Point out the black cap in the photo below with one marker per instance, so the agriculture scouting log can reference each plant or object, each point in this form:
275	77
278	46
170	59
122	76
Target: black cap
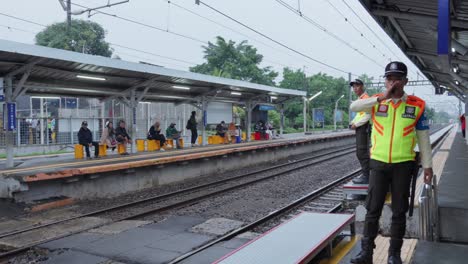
356	81
396	68
84	123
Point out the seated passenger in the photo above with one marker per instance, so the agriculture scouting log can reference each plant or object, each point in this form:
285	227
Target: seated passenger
221	130
122	136
155	134
173	134
269	130
108	136
85	138
261	128
232	129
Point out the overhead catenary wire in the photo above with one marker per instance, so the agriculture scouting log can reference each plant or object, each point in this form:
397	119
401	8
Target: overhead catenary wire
273	40
355	28
322	28
238	32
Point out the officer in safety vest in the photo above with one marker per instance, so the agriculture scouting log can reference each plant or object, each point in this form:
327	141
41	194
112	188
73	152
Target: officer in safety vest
360	123
399	124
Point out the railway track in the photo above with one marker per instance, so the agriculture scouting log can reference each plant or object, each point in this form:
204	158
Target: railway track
194	195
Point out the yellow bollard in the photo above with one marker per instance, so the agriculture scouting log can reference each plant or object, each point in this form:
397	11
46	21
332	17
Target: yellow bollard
181	143
78	151
200	140
153	145
140	145
121	149
102	150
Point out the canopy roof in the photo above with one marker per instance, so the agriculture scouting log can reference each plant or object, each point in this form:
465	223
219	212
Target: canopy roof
60	73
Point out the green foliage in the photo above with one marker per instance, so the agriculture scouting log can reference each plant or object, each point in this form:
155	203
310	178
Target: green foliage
274	118
241	61
83	36
332	88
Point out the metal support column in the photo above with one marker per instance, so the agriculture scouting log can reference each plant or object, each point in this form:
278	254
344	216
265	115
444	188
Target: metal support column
9	136
133	106
248	108
304	114
281	119
203	124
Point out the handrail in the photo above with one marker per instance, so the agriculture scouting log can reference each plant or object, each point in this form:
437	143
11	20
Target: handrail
429	212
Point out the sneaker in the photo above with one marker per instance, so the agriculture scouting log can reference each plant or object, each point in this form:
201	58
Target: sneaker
162	150
125	153
97	157
89	158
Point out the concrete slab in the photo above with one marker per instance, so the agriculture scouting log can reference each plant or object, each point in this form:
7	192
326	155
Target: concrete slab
119	227
248	235
39	235
207	256
74	257
177	224
440	253
217	226
182	242
114	245
73	241
145	255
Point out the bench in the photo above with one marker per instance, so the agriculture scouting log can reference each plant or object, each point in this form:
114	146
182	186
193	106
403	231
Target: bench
79	151
298	240
174	144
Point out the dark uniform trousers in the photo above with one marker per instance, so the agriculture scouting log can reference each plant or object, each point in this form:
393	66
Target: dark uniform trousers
362	147
398	177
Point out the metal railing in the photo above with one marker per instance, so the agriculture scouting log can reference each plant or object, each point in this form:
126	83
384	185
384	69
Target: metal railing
429	212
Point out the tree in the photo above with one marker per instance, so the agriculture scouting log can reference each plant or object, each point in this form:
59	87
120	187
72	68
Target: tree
83	36
241	61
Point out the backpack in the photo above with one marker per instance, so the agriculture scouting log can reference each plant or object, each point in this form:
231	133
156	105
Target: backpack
189	125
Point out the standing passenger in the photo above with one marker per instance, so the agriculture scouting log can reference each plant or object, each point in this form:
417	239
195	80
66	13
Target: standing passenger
360	123
463	124
192	126
398	123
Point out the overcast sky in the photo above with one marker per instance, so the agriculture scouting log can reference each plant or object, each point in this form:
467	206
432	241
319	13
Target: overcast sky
266	16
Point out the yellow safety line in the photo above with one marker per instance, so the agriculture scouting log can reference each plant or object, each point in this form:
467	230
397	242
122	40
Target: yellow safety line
340	251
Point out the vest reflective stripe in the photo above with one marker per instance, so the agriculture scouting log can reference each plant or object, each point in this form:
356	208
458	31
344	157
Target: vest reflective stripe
394	130
360	115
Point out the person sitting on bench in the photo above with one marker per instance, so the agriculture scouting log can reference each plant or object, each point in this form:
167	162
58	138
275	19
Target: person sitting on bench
85	138
122	136
155	134
108	136
173	134
221	130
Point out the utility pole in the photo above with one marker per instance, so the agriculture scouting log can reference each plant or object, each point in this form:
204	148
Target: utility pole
350	98
69	14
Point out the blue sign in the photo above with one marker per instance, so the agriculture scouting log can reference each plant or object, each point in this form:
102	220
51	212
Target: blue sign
266	107
319	115
205	118
443	28
9	116
71	103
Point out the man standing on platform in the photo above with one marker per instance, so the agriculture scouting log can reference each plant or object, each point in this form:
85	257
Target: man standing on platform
398	123
360	123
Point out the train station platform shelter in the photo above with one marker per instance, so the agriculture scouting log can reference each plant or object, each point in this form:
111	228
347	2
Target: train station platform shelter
43	71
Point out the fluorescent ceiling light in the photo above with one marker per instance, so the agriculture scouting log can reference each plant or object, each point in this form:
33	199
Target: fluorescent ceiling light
455	69
235	93
453	50
181	87
274	97
457	82
91	78
144	102
46	97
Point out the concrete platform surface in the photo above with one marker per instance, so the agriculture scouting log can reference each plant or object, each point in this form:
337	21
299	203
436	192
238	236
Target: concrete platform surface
440	253
453	197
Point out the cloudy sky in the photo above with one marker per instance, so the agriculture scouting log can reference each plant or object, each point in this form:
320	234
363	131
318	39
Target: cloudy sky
346	46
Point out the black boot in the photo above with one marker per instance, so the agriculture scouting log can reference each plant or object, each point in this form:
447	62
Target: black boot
367	250
394	251
363	179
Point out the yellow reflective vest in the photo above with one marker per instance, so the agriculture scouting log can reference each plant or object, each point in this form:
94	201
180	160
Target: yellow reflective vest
394	129
360	115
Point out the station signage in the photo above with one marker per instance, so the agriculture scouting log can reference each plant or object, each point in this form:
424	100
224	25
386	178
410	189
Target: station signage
9	116
266	107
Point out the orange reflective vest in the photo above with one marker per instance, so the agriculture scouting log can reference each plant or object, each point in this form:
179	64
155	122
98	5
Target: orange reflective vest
394	129
360	115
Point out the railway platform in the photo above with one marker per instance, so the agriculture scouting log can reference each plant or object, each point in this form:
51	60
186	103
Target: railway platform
62	176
